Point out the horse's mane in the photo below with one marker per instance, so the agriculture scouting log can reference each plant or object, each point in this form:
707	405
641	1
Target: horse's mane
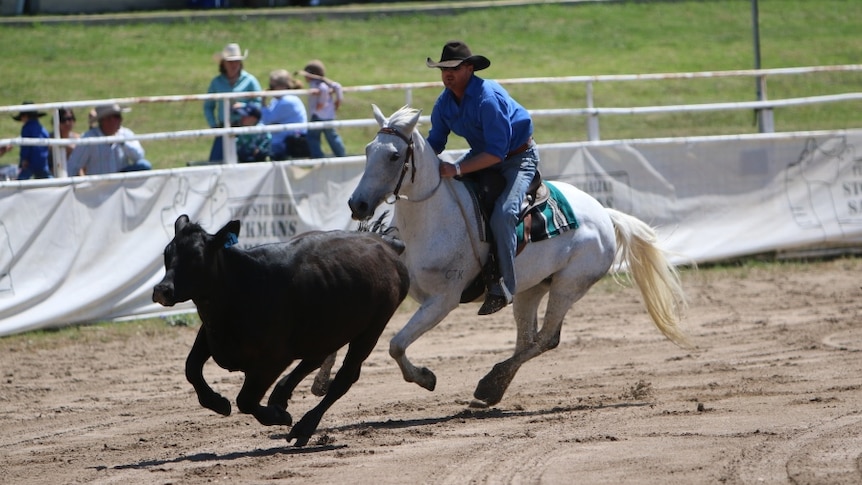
400	120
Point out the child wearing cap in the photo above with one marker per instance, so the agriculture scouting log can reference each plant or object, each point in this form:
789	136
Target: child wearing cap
33	160
251	147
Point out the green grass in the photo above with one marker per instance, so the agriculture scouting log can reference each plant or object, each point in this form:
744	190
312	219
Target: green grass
78	62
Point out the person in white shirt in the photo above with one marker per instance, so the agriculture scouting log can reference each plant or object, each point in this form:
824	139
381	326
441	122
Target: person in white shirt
124	156
323	103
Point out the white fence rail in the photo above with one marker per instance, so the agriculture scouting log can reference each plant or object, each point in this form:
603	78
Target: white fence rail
763	107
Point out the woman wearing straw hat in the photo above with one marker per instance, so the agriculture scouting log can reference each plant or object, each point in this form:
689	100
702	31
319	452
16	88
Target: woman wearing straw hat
232	78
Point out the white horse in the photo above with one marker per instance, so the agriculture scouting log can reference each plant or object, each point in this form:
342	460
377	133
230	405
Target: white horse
444	254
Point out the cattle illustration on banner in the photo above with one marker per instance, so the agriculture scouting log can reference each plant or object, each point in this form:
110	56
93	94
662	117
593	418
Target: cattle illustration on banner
824	186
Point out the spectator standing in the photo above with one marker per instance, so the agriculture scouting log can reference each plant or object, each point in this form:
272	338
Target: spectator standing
232	78
283	110
66	118
252	147
124	156
323	104
32	160
500	134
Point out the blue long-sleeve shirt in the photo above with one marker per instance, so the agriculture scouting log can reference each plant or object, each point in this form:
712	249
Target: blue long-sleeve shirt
213	109
36	156
487	117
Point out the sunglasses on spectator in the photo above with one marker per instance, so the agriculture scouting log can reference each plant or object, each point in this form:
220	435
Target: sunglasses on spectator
63	120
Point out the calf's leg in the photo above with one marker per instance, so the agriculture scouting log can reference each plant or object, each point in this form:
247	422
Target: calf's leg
358	350
285	386
257	381
198	356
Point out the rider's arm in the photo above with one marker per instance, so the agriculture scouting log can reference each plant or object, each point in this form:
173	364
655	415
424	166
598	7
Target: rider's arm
472	164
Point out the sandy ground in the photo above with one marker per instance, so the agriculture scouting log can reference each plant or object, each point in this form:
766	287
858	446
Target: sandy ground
771	396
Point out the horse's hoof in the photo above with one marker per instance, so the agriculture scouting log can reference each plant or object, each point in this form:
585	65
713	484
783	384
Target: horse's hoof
320	389
427	379
489	391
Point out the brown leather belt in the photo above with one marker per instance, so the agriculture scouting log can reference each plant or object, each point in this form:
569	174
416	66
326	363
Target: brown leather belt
521	149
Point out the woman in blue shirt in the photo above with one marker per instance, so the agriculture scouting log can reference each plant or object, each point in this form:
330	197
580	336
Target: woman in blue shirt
232	78
500	134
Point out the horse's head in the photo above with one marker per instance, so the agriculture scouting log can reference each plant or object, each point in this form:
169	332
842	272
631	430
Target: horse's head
389	158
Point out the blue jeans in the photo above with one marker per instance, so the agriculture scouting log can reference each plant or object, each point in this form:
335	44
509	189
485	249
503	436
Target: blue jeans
137	166
332	137
518	170
217	150
28	173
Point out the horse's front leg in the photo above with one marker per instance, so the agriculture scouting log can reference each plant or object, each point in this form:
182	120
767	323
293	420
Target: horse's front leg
322	380
432	312
198	356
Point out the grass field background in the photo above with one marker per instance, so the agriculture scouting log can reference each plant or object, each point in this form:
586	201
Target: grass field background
58	62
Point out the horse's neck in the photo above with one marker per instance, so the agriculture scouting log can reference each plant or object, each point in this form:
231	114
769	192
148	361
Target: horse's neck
427	167
434	206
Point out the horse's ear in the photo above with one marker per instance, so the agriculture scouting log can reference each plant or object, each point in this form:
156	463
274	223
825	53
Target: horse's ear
378	115
415	119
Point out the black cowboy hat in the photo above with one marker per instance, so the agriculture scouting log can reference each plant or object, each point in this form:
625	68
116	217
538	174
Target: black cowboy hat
27	113
454	53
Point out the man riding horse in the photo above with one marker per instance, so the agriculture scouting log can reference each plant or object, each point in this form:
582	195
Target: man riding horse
500	134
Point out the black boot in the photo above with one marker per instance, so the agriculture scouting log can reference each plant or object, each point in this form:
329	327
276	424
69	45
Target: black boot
493	304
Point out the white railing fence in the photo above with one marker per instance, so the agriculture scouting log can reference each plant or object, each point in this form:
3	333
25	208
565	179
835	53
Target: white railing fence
592	113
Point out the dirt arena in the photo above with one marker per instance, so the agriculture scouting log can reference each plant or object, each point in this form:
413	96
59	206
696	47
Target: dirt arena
771	396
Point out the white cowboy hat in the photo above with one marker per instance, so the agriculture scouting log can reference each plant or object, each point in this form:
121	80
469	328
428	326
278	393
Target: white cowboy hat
110	109
231	52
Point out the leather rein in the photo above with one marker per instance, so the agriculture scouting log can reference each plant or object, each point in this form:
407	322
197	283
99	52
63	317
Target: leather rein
409	164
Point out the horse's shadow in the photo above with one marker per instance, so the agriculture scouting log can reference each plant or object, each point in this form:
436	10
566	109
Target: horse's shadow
464	415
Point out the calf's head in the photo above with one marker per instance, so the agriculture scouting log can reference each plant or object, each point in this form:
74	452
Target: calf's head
190	261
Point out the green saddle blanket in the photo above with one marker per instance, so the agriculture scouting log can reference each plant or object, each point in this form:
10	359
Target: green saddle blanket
550	218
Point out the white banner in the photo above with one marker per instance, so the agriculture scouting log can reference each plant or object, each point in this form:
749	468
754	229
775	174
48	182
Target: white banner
90	248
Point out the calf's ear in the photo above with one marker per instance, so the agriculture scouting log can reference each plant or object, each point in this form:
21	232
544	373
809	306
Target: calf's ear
227	236
181	222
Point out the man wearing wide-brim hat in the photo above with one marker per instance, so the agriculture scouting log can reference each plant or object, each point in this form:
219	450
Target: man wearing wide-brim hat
32	160
500	134
123	156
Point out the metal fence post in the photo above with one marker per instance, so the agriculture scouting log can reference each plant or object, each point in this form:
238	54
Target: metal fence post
228	140
765	121
593	117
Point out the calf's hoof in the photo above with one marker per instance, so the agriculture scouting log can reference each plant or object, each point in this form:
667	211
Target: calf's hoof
216	403
273	416
301	439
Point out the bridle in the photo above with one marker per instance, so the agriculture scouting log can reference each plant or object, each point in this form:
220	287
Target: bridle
410	161
409	164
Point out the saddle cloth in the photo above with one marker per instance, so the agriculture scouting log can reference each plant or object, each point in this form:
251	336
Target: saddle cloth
543	221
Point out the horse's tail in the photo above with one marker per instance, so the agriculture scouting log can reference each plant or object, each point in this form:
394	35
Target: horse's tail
656	278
